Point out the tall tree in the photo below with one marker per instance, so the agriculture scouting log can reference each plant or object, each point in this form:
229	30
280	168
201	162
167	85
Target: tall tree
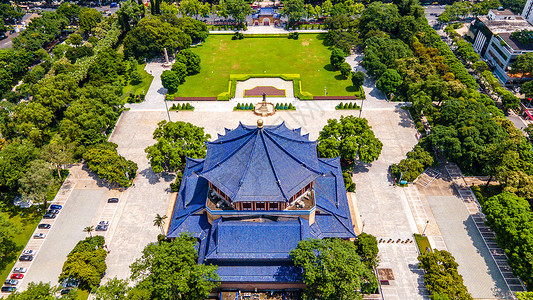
159	221
89	230
37	181
324	262
441	275
294	10
8	247
351	139
180	277
113	289
175	141
89	18
524	64
238	9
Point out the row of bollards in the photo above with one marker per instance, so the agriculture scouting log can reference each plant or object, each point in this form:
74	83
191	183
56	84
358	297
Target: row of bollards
398	241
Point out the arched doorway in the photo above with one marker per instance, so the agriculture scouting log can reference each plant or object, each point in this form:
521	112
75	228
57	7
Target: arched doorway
256	23
266	22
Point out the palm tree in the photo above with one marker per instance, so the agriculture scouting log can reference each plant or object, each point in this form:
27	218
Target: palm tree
159	221
89	230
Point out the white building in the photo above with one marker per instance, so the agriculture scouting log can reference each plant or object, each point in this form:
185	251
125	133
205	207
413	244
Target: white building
492	40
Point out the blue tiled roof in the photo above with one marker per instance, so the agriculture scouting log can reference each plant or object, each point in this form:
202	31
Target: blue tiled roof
259	271
255	240
271	163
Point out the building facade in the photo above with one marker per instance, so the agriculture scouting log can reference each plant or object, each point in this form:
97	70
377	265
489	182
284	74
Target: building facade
259	191
492	40
266	16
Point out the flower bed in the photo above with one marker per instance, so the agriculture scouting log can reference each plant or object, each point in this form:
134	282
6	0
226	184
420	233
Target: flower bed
267	90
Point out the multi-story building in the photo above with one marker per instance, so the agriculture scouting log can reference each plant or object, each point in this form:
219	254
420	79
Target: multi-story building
527	13
259	191
492	40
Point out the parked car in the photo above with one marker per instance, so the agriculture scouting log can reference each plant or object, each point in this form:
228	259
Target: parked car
71	283
29	252
112	200
11	282
8	289
101	228
20	270
26	258
17	276
56	206
104	223
44	226
48	215
113	4
65	291
39	236
53	211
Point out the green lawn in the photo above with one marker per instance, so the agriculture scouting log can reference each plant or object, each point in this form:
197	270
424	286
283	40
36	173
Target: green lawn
306	56
422	242
25	220
141	87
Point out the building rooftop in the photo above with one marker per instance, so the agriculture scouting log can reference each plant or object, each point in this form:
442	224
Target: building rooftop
503	26
274	163
516	45
504	12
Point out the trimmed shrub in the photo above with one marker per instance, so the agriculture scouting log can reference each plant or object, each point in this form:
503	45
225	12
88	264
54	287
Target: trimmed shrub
350	106
238	106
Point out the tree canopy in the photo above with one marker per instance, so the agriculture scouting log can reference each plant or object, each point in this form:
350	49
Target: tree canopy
325	262
351	138
175	141
170	270
442	277
511	219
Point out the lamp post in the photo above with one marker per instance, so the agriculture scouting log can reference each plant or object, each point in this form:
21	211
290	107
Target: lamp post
424	232
325	91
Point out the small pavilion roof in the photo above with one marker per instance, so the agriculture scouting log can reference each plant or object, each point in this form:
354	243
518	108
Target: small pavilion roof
271	163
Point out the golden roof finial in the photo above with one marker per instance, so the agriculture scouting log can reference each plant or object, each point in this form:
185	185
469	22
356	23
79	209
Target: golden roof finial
259	123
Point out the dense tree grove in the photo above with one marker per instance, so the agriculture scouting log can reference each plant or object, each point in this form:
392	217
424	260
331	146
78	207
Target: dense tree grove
154	33
86	262
511	218
351	138
441	277
411	167
325	261
174	142
170	270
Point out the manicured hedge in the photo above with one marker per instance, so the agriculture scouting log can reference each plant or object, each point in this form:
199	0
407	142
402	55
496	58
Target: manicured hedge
233	78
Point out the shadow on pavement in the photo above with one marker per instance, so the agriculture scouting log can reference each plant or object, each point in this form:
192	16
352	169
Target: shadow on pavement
481	248
154	178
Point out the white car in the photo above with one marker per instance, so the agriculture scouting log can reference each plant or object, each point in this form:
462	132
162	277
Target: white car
104	223
29	252
19	270
39	236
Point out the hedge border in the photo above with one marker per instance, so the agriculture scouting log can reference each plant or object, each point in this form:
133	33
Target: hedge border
295	78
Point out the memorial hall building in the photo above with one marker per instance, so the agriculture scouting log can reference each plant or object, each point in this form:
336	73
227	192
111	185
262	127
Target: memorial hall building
259	191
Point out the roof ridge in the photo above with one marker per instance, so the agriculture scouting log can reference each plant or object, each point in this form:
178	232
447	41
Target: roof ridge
292	156
248	163
272	165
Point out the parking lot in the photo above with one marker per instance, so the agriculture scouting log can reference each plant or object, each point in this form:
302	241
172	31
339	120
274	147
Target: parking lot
84	203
